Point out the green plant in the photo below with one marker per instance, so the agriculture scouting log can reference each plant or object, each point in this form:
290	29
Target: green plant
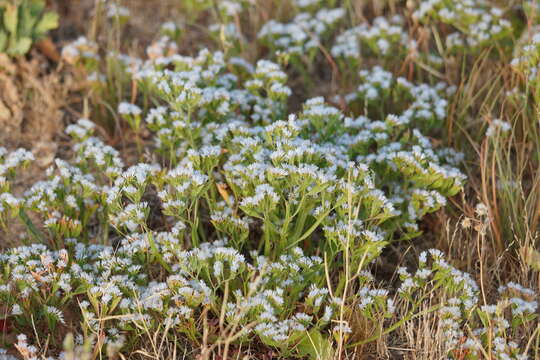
22	22
253	221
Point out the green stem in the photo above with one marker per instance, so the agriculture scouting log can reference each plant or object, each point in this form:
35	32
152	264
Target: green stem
267	237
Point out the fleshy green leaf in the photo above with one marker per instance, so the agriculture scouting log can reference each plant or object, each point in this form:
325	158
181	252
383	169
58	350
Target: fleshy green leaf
27	21
315	345
48	22
3	41
11	18
21	46
36	7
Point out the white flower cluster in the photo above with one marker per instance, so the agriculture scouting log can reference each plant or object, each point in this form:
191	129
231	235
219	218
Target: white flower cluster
273	174
227	31
465	323
232	7
303	34
109	277
83	129
478	22
125	108
498	126
302	4
10	161
385	37
527	57
211	226
426	104
163	47
114	10
80	49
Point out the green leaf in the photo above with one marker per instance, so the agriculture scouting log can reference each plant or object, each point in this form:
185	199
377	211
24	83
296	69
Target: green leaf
20	46
3	41
36	7
48	22
531	257
11	18
30	225
316	346
27	21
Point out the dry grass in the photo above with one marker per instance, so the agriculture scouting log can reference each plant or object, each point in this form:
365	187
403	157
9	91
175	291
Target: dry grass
33	99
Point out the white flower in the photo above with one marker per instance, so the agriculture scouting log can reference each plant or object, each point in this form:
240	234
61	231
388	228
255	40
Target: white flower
498	126
125	108
481	209
16	310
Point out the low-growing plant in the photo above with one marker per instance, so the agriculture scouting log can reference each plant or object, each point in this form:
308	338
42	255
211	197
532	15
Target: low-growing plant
22	23
249	220
478	24
241	203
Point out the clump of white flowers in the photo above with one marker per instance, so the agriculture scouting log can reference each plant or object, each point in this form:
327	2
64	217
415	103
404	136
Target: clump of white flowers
304	34
526	59
10	162
79	50
470	327
236	171
478	23
384	37
498	126
115	10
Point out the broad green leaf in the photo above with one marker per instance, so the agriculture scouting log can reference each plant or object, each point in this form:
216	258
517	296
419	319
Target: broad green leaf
20	46
316	346
48	22
3	41
11	18
27	21
36	7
